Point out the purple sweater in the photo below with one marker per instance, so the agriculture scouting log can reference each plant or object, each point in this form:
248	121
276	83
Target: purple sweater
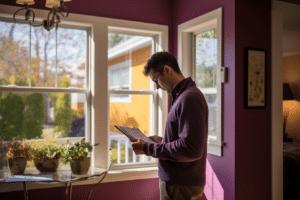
182	153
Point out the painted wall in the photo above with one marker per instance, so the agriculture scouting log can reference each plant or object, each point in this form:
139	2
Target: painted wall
252	126
244	172
223	168
123	190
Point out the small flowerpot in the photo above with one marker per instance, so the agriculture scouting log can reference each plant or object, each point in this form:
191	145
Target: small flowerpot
17	165
80	166
47	165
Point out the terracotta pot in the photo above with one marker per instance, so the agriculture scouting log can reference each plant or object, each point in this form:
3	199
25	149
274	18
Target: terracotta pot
17	165
47	165
80	166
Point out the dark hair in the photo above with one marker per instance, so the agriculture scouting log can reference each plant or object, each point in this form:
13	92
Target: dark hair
158	61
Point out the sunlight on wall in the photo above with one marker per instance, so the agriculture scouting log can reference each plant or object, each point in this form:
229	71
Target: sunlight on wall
213	189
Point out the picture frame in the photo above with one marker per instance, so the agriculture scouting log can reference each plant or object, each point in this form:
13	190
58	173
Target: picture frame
255	78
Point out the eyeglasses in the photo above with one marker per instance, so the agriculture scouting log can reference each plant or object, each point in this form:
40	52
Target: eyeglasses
155	81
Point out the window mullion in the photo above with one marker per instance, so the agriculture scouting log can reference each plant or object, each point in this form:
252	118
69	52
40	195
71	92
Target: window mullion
146	92
55	58
30	57
41	89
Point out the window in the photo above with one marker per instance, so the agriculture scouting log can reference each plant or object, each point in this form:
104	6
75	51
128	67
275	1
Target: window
94	88
205	73
132	95
201	40
43	85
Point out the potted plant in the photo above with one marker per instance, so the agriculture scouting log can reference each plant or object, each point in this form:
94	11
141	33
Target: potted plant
46	154
77	155
18	152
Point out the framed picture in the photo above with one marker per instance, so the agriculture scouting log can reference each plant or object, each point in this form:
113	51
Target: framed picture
255	78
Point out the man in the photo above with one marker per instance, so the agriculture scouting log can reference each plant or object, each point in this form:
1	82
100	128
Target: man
181	152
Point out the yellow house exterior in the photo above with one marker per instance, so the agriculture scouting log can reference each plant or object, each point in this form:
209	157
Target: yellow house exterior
136	113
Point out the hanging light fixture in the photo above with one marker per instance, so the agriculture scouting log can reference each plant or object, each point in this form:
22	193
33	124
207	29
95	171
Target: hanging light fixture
53	18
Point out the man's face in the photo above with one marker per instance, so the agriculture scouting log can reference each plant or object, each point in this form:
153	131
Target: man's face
161	81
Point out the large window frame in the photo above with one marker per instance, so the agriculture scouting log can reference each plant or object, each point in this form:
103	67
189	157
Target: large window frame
186	32
97	122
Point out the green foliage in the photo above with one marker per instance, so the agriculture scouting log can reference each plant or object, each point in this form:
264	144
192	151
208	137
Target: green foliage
212	130
77	151
114	39
63	115
208	34
78	114
16	149
48	148
11	109
206	76
114	154
33	116
22	113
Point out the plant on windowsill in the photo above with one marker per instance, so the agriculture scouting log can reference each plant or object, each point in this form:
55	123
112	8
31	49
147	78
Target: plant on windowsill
47	154
18	152
77	155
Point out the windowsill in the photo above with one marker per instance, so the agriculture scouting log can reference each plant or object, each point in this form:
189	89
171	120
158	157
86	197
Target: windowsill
112	176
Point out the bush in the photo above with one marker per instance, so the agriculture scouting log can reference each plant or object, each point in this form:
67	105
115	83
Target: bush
11	109
34	114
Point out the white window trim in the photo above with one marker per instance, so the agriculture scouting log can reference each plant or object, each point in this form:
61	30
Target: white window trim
98	81
186	31
119	66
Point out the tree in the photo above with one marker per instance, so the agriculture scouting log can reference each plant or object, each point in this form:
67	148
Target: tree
206	59
205	76
114	39
13	60
44	62
11	109
63	114
33	116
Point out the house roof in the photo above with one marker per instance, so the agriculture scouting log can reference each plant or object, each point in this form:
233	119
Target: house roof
133	44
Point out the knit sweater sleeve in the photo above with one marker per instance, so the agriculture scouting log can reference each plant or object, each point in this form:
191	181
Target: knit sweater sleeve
185	141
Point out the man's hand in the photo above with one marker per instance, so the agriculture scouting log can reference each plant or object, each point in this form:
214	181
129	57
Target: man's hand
156	139
138	147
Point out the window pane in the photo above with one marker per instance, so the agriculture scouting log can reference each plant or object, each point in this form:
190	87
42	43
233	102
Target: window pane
71	55
205	72
14	53
53	54
135	114
42	115
127	56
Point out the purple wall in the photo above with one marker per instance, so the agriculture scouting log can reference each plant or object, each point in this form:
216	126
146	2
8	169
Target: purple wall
244	171
124	190
223	167
253	127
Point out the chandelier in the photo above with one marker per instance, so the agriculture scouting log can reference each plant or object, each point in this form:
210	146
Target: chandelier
53	18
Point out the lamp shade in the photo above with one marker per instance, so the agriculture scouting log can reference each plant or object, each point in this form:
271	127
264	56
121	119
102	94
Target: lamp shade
52	3
287	92
29	2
